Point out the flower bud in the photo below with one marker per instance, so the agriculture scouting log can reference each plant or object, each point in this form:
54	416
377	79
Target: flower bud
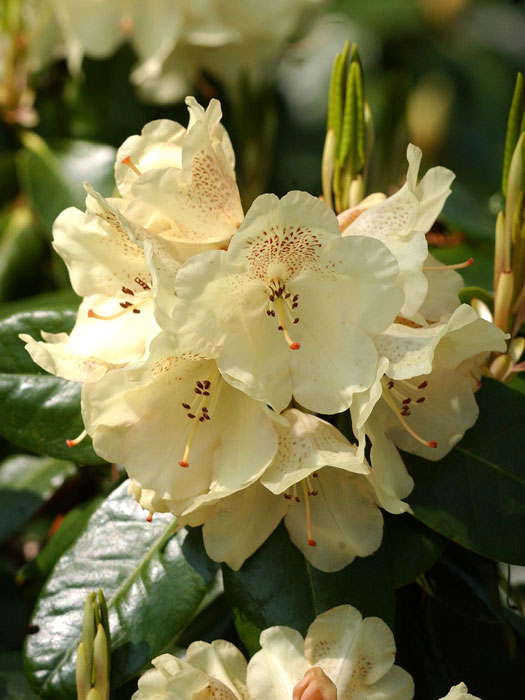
315	685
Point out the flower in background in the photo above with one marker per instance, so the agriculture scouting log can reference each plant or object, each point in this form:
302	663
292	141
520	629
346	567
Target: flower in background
343	655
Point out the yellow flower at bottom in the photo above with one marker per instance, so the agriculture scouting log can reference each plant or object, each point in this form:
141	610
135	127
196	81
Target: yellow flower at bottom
341	656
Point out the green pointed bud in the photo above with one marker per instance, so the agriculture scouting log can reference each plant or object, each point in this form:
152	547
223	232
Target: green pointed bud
503	300
515	188
83	673
515	127
94	695
101	663
351	147
337	91
88	631
516	349
501	367
327	167
103	613
500	249
345	159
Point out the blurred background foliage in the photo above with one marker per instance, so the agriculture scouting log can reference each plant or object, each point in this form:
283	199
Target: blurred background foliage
439	73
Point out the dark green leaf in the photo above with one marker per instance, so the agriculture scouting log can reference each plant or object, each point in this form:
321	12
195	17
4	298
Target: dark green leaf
52	177
464	211
39	412
152	591
277	586
62	300
25	484
476	494
8	177
13	683
21	252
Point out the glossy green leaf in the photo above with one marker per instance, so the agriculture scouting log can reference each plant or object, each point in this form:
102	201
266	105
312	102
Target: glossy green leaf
38	411
21	253
52	176
13	682
277	586
26	483
154	582
69	530
476	494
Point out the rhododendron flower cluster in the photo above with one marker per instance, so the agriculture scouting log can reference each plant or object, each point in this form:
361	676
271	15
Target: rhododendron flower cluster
216	347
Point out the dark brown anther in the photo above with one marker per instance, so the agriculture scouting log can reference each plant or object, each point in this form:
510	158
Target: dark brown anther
423	385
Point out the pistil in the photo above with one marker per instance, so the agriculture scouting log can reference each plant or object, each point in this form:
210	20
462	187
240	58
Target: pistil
131	165
311	540
278	296
77	440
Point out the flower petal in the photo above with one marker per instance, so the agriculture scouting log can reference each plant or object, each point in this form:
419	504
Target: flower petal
100	257
223	661
345	521
241	523
278	666
308	444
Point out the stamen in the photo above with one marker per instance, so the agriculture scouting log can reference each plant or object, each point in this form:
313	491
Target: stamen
130	307
200	410
77	440
310	540
184	461
401	417
149	517
282	324
457	266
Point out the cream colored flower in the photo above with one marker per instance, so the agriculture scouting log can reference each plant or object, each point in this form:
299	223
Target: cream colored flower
291	305
423	397
179	183
177	426
401	222
120	252
343	655
315	482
